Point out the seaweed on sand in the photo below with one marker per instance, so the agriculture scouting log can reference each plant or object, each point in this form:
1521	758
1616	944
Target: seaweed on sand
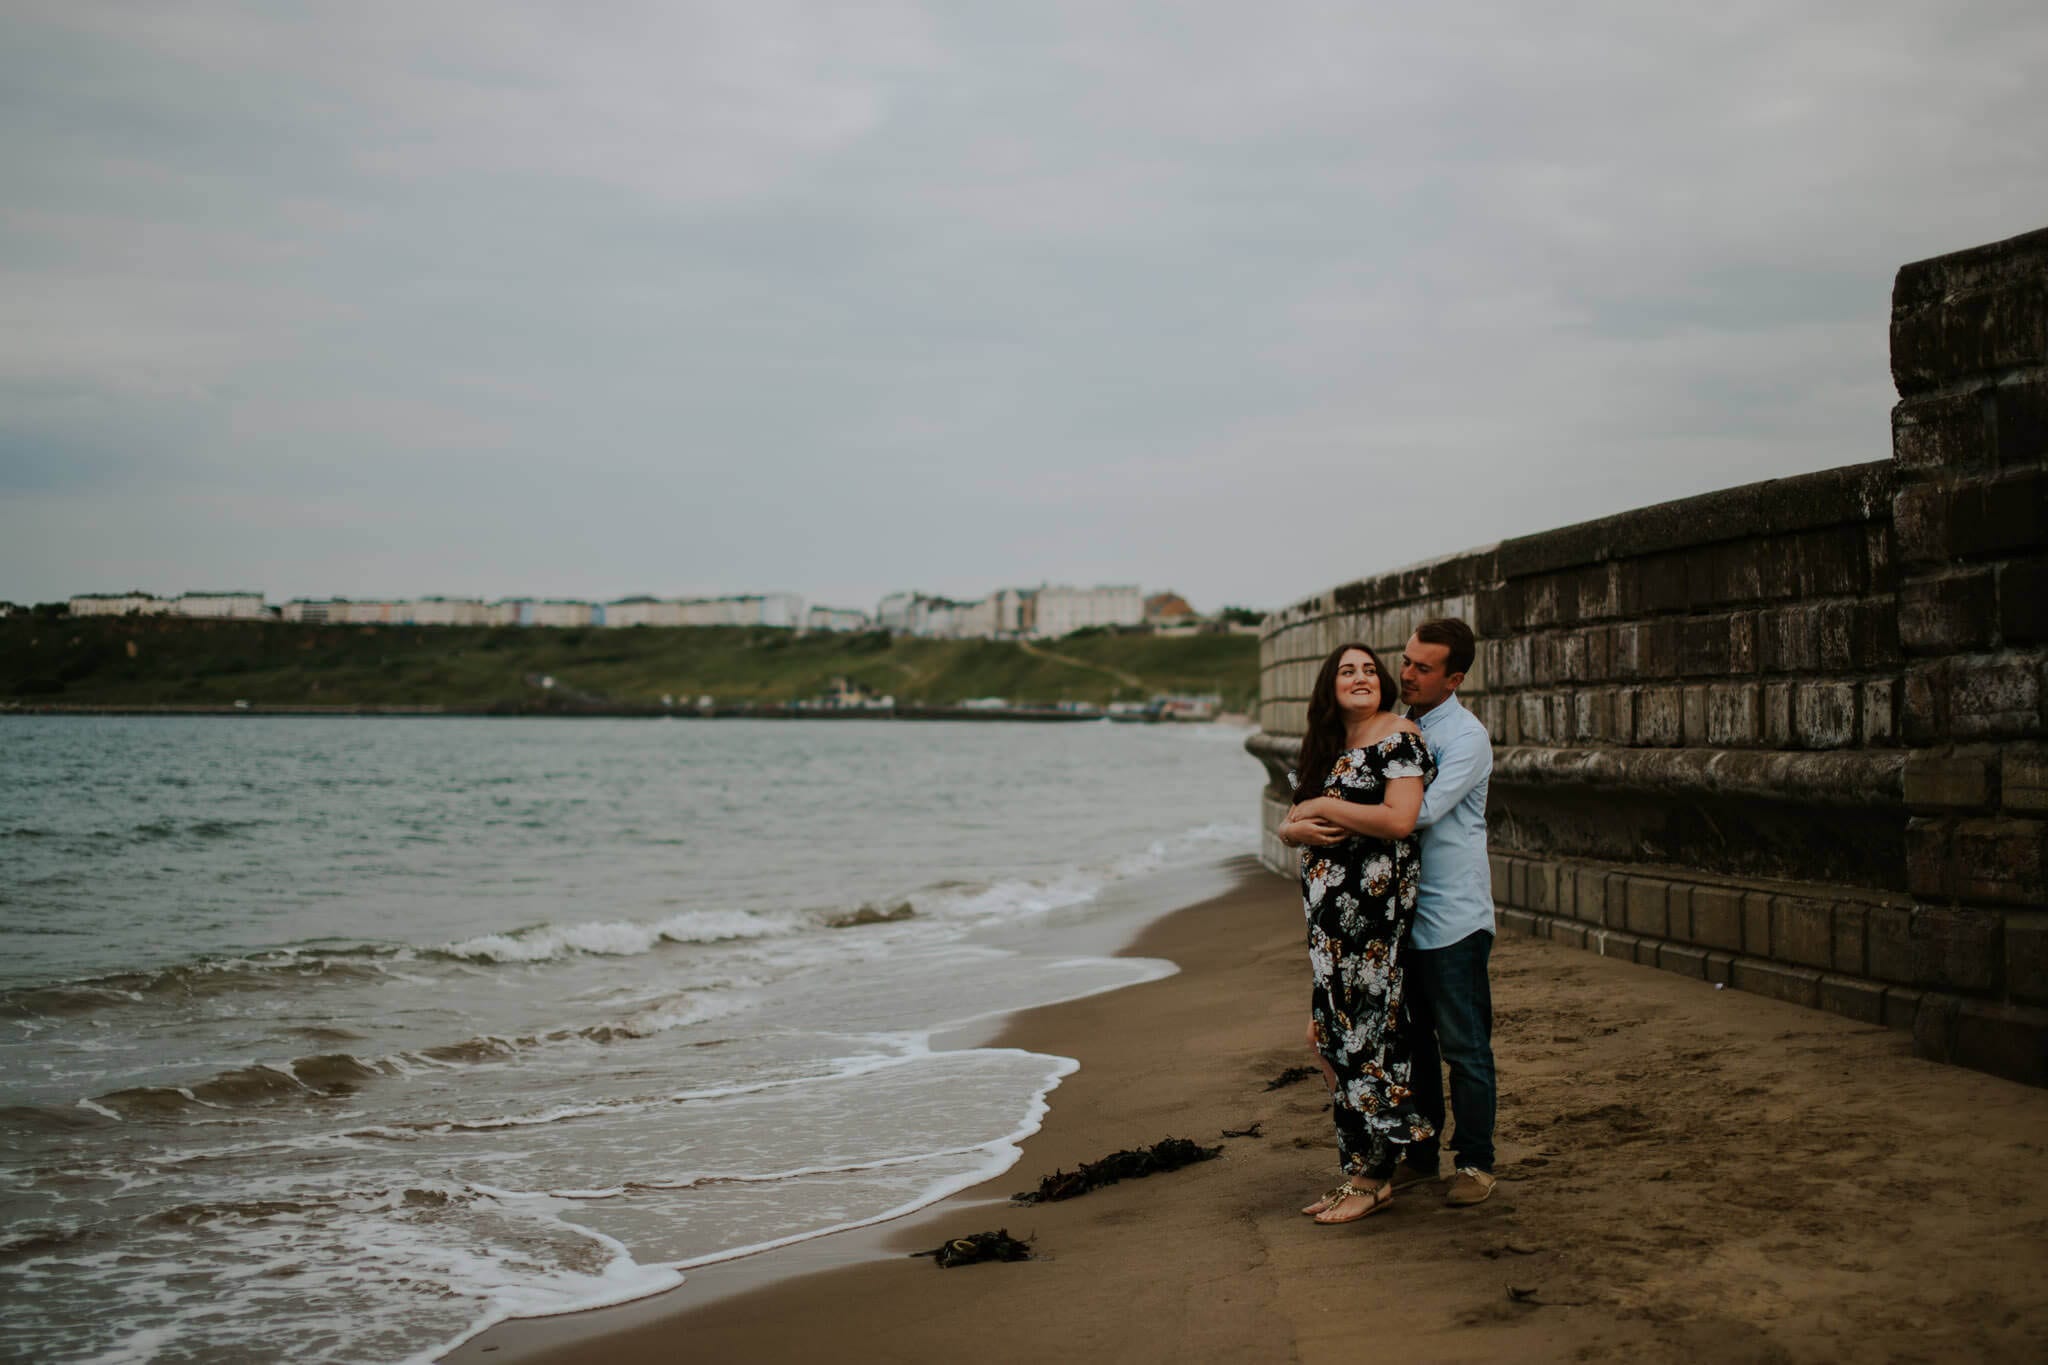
982	1246
1168	1154
1290	1076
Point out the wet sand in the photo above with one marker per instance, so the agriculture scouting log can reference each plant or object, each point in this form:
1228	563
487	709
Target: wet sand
1685	1174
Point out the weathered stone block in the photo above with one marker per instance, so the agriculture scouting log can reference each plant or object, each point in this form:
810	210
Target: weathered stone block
1901	1004
1567	889
1888	943
2002	516
1834	630
1860	1000
1703	646
1542	660
1625	715
1743	652
1930	859
1514	662
1661	582
1610	943
1659	649
1777	716
1598	591
2026	956
2005	1040
1735	573
1947	432
1647	913
1571	657
1693	716
1592	711
1850	938
1720	967
1717	917
1802	931
1539	891
1920	524
1956	949
1590	894
1518	882
1734	715
2020	422
1824	715
1993	698
1958	611
1498	865
1756	923
1794	985
1540	600
2023	602
1559	705
1880	712
2024	788
1937	780
1676	957
2003	860
1626	651
1789	640
1969	313
1678	911
1494	613
1660	716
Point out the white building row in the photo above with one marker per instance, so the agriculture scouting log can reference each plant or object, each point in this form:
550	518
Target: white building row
784	610
1044	612
244	606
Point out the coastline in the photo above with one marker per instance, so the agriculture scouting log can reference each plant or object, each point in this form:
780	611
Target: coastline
1685	1172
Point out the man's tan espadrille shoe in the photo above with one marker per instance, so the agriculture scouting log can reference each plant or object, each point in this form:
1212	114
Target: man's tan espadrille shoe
1469	1186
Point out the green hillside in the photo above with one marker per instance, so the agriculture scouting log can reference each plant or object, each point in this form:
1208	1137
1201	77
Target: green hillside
135	661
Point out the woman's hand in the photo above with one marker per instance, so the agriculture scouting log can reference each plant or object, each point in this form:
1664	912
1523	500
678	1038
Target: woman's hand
1313	831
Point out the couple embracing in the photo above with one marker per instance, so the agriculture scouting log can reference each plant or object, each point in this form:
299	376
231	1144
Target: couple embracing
1390	818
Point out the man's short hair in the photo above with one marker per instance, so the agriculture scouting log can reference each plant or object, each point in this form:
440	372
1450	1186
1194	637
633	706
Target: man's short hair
1453	633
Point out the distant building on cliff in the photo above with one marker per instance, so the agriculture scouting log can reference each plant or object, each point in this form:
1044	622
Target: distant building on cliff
1062	611
836	620
120	604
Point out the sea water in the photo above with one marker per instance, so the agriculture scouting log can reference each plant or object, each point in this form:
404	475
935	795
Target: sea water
340	1039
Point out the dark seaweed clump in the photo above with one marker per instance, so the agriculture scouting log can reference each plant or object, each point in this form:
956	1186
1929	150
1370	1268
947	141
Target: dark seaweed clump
982	1246
1169	1154
1290	1076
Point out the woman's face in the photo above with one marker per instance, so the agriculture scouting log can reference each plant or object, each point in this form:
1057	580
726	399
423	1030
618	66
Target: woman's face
1358	684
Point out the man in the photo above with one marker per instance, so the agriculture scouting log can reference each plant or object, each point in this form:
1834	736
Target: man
1450	1001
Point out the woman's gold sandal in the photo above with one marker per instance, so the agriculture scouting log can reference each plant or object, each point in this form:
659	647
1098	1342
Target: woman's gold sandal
1328	1199
1381	1195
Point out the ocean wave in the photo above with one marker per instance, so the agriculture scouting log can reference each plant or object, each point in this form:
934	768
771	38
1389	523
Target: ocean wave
614	938
1019	897
204	978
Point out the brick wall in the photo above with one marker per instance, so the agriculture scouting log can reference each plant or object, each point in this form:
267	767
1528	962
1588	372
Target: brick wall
1787	737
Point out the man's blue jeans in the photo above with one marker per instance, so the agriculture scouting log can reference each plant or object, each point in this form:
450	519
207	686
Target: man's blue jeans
1450	1011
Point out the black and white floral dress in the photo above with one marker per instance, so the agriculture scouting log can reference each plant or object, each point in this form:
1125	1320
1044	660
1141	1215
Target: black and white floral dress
1359	897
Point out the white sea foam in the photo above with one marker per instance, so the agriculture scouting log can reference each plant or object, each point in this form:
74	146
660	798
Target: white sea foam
616	938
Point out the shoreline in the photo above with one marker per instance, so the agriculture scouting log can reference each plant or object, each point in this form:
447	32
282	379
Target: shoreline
1685	1172
1010	714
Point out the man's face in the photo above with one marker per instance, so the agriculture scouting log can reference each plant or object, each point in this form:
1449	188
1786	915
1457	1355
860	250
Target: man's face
1424	678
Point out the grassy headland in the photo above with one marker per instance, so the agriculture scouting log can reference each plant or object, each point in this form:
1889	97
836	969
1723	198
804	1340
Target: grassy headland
164	661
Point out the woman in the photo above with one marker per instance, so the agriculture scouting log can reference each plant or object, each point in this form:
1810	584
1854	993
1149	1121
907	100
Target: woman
1360	776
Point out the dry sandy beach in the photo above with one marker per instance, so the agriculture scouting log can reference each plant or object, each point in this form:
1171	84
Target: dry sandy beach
1686	1174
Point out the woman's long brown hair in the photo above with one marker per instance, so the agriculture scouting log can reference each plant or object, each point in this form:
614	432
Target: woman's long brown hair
1323	741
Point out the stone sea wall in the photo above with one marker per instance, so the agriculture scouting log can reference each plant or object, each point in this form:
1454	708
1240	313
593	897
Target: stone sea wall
1787	737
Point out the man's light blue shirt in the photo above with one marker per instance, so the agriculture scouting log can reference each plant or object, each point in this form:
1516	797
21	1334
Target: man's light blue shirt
1456	899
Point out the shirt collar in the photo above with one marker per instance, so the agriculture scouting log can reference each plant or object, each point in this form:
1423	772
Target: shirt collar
1436	713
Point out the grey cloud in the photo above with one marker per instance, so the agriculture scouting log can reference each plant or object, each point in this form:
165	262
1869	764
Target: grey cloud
698	298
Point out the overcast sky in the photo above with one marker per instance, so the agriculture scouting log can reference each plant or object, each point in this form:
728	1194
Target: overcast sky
1243	300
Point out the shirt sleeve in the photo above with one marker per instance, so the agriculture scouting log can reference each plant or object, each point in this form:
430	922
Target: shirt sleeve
1463	763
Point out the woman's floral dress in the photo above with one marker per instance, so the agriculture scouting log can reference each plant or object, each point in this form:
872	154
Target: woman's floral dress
1359	897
